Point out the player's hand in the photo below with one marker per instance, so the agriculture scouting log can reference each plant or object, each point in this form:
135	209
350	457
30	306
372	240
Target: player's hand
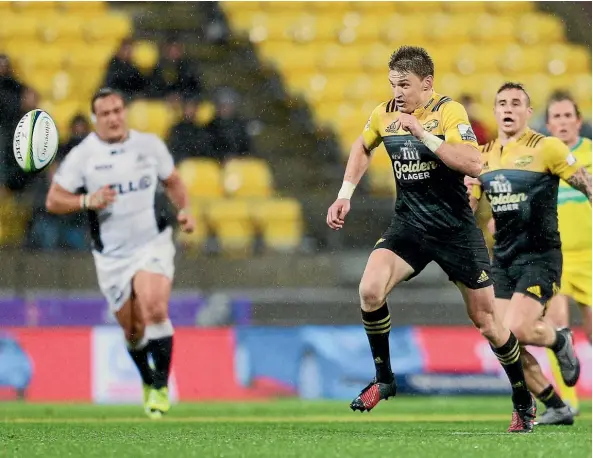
336	214
102	198
410	123
469	184
186	222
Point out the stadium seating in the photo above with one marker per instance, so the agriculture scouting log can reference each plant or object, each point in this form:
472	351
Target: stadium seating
280	223
230	221
203	178
335	54
247	178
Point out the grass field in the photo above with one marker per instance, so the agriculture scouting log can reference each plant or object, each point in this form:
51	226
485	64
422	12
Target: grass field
435	427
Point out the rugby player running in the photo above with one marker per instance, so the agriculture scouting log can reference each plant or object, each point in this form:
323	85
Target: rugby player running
432	146
520	177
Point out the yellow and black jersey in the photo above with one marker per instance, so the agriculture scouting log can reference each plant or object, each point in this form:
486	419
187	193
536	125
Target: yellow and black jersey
521	182
430	196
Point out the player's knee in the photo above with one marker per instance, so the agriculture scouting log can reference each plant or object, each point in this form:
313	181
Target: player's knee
372	295
523	334
484	321
157	312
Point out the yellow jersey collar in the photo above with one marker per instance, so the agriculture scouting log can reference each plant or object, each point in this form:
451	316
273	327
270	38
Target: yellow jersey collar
420	110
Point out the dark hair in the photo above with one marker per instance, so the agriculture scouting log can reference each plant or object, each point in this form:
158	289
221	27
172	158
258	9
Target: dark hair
412	59
561	96
79	118
105	92
511	85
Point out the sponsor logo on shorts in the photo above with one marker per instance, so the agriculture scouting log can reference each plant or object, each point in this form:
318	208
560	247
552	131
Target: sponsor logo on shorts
483	277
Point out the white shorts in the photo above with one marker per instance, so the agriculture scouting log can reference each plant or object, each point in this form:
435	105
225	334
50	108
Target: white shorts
115	274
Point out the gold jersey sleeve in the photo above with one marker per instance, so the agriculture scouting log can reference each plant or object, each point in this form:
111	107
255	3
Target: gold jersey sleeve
456	125
559	160
371	134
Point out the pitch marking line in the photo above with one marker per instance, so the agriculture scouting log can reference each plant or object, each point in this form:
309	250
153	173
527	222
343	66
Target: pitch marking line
284	419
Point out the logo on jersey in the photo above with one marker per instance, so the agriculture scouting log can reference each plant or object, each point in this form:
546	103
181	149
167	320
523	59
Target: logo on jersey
368	125
103	167
431	125
524	161
132	186
501	195
467	133
392	128
570	159
415	169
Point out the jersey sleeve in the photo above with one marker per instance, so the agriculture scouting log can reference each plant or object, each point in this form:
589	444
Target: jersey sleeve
70	173
456	125
559	160
371	135
164	160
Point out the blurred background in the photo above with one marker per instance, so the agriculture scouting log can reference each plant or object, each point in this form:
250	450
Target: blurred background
259	103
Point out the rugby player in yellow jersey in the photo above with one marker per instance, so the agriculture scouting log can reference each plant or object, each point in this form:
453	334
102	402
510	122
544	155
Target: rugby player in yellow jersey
574	222
520	177
432	146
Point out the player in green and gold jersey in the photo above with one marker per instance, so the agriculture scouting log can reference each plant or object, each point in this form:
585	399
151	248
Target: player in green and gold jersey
574	222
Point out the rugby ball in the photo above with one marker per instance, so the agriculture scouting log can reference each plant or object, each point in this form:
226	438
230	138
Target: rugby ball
35	142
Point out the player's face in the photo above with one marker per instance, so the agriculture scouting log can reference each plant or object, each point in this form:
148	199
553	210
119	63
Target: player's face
408	90
563	122
512	111
111	123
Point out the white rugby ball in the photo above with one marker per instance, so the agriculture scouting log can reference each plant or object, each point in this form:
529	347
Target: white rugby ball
35	142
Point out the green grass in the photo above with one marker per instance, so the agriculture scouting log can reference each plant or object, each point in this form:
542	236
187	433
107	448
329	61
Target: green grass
410	427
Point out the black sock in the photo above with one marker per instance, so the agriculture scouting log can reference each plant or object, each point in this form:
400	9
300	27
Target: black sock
509	356
140	358
377	325
161	350
550	398
560	341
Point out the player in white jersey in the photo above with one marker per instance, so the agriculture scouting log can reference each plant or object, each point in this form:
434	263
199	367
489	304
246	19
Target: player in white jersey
113	174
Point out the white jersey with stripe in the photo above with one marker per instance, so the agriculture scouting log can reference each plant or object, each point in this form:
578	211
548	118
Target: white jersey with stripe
133	168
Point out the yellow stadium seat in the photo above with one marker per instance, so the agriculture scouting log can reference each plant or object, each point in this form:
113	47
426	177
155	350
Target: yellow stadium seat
381	178
62	29
34	8
150	116
230	221
325	28
33	59
411	29
110	28
280	223
289	57
274	27
493	30
509	8
195	241
337	58
535	28
475	59
85	8
247	177
51	85
145	55
282	7
62	113
465	7
86	60
202	178
561	58
581	88
446	28
331	8
16	29
411	7
539	88
518	61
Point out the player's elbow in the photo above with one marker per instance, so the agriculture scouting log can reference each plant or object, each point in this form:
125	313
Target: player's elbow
50	204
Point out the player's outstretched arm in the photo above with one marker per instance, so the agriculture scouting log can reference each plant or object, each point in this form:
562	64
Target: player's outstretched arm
61	201
581	181
358	163
177	193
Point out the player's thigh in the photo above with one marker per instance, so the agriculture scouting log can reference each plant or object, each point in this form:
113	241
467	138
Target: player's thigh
464	258
151	294
557	311
397	256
